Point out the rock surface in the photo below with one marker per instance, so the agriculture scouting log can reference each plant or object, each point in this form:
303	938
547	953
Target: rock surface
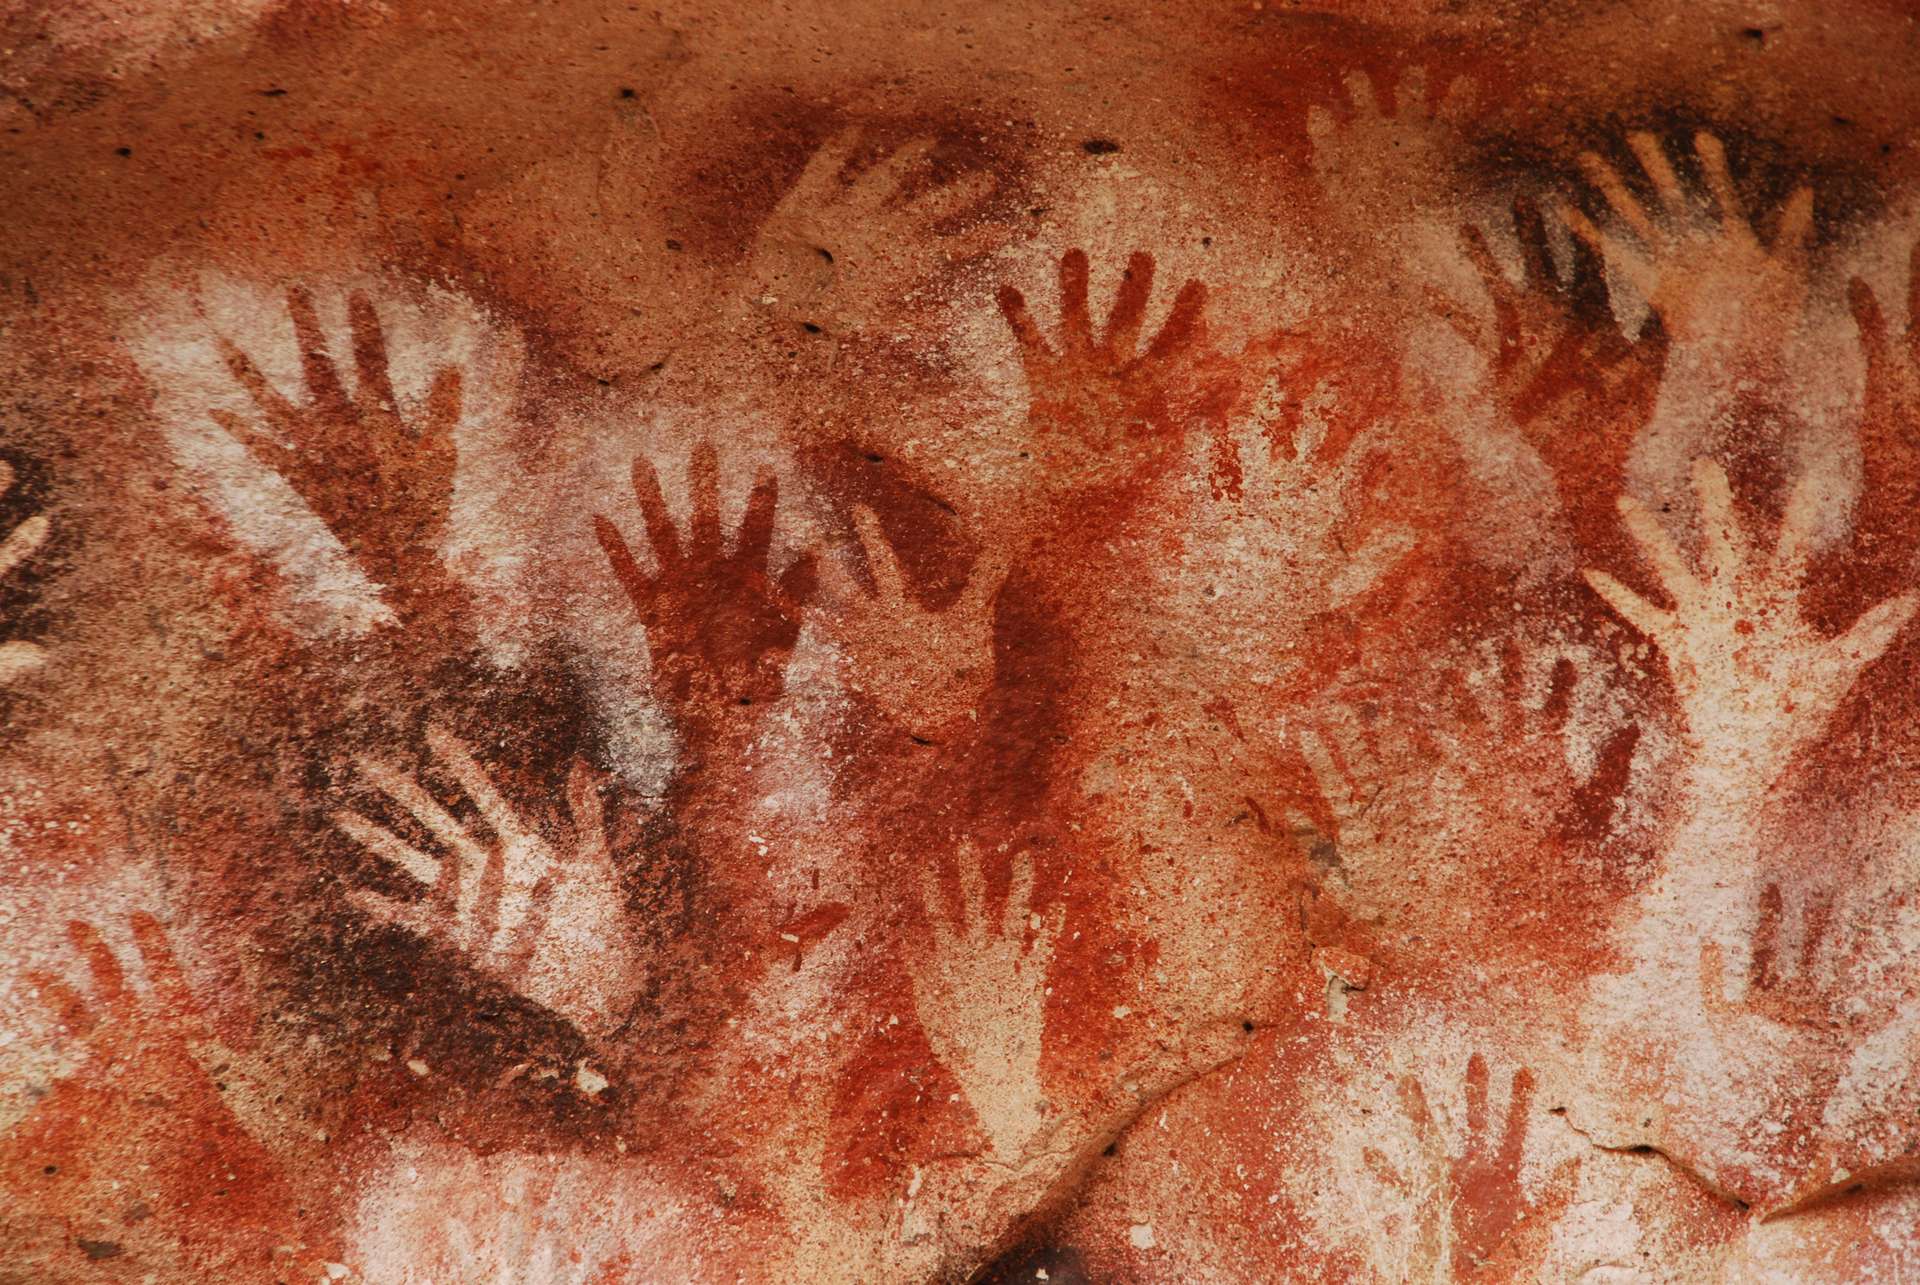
874	642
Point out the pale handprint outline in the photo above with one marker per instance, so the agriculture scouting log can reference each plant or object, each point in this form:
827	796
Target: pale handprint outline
1755	682
114	998
925	669
544	917
1467	1204
117	1017
1354	158
1304	487
1544	704
1688	264
978	968
157	1049
18	657
1352	782
1783	978
436	1210
1560	368
842	241
1884	521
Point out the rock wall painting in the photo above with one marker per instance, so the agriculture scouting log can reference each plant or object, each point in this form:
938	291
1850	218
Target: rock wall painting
854	642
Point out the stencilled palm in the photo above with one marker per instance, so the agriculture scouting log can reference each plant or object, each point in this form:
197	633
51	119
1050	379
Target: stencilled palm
164	1030
1305	490
1703	274
1095	393
16	656
1755	681
1352	784
436	1211
1379	159
981	993
719	626
379	475
1561	371
1466	1206
157	1069
926	670
1531	703
544	916
839	249
1783	977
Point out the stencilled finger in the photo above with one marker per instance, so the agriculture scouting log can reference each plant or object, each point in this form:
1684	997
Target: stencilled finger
384	844
1458	103
1014	915
1719	181
1130	305
1657	623
396	912
1513	1140
1669	565
1076	321
322	377
1476	1093
821	178
1185	328
889	582
1794	237
1724	543
443	403
1026	334
455	754
1382	1169
278	409
1659	170
103	967
1619	197
703	489
1333	784
973	893
986	577
18	659
1874	632
166	978
1361	94
755	538
1798	526
370	354
261	443
23	542
67	1007
661	532
1410	95
425	809
587	810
